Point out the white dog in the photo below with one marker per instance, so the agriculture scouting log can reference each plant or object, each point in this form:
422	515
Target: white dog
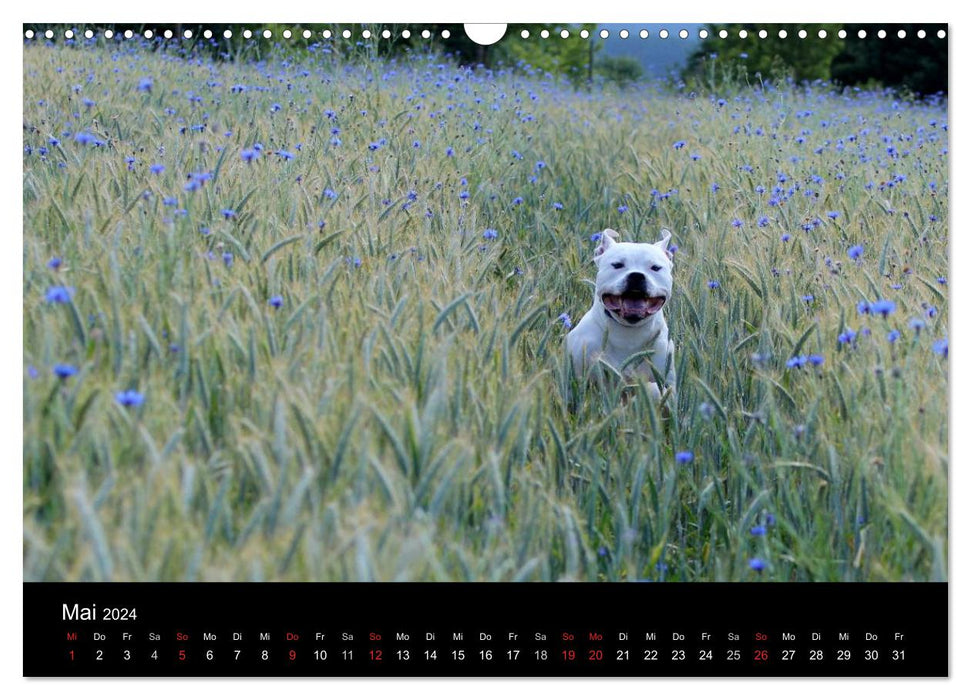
633	284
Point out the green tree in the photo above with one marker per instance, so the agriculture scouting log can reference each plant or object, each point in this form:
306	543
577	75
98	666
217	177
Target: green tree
571	57
733	58
620	70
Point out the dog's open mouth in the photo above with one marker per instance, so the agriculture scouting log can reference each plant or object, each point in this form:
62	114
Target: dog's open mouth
633	306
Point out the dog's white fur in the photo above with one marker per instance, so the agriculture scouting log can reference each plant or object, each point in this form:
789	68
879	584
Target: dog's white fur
609	334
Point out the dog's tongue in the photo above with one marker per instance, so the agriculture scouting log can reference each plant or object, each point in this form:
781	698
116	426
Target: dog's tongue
632	305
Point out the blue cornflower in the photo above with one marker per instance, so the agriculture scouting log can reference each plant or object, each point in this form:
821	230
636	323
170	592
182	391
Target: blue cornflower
855	252
797	361
893	336
833	215
249	155
816	360
564	318
808	298
863	307
54	263
32	372
65	371
156	168
713	284
489	233
756	564
763	221
769	519
622	208
594	237
940	347
737	223
84	138
228	259
758	530
286	155
678	145
942	280
449	151
59	295
540	165
785	237
228	214
517	201
145	85
129	398
276	301
917	324
464	194
883	306
847	336
416	144
715	187
557	205
684	457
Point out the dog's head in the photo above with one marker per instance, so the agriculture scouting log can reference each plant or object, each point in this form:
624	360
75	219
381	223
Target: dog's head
633	279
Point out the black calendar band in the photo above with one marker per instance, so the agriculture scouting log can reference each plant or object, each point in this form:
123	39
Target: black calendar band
478	629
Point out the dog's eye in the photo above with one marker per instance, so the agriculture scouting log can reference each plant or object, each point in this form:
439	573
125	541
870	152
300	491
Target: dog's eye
617	265
656	268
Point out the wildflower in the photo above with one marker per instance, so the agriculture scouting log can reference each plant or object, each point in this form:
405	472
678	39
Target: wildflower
808	298
706	410
594	237
156	168
756	564
763	221
276	301
893	336
145	85
769	519
564	318
713	284
286	155
65	371
917	324
847	336
129	398
816	360
228	259
758	530
557	205
737	223
796	361
84	138
602	552
517	201
940	347
863	307
883	306
449	152
855	252
489	233
249	155
833	215
32	372
54	263
678	145
622	208
59	295
228	214
785	237
942	280
684	457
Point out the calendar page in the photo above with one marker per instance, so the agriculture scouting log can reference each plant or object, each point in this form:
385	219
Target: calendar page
485	350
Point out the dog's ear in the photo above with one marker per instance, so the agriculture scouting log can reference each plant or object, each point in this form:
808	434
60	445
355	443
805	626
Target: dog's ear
607	238
663	243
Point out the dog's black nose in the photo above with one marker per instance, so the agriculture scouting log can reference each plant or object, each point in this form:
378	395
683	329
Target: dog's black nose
636	282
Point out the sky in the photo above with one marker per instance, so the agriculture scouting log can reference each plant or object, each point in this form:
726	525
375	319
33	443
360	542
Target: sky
659	57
